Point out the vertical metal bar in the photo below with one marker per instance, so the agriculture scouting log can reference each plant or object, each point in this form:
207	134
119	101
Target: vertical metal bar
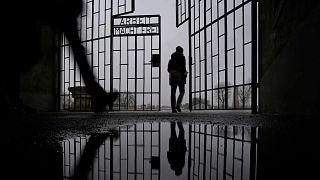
226	54
151	147
189	149
135	72
194	52
218	141
151	74
190	55
111	158
159	19
64	77
105	161
199	150
211	148
143	150
211	58
127	152
92	41
159	151
144	73
111	49
253	153
233	150
243	56
194	147
199	41
242	151
120	153
120	68
69	157
69	80
259	74
204	151
105	45
177	13
225	152
133	4
205	55
234	58
118	6
135	152
254	56
218	44
128	72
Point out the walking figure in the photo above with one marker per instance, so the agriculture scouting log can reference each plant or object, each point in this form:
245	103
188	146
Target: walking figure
177	78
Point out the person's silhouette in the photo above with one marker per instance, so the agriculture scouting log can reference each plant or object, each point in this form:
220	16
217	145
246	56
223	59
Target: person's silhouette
177	148
177	77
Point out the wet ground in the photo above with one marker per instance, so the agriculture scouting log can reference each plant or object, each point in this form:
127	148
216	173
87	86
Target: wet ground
158	145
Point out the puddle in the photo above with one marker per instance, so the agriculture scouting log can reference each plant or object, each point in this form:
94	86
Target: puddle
163	151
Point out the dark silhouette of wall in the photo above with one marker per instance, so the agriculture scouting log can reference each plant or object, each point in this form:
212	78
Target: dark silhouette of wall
39	82
290	57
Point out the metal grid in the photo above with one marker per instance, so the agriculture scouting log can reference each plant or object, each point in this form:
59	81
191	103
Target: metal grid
135	42
181	12
222	152
223	54
103	46
125	157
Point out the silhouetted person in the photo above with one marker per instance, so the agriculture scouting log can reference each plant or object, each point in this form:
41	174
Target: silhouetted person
177	78
177	148
61	15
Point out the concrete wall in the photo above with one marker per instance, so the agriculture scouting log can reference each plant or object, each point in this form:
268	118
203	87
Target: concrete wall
39	83
290	57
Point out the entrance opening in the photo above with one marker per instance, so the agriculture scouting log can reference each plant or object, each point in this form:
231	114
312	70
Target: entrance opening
223	53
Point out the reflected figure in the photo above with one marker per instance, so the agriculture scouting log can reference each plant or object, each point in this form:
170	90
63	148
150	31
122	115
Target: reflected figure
88	155
177	148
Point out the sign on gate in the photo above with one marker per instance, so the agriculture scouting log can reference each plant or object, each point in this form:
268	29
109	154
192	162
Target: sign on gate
135	25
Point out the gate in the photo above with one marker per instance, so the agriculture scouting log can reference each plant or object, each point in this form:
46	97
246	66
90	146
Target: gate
136	67
223	52
124	54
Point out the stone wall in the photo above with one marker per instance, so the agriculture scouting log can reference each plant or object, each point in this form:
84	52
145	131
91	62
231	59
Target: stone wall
290	57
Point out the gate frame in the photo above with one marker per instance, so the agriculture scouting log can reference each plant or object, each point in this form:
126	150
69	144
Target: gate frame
136	49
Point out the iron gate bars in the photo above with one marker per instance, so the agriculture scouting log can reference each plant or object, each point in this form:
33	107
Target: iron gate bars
137	71
223	52
222	152
101	42
125	157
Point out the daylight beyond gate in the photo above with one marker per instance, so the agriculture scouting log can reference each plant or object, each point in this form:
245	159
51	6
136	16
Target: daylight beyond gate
124	53
223	51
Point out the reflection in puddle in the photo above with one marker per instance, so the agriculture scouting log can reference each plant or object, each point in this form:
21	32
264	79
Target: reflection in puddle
163	151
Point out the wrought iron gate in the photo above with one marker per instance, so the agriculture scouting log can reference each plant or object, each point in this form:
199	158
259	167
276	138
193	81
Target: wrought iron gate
136	48
223	52
124	53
